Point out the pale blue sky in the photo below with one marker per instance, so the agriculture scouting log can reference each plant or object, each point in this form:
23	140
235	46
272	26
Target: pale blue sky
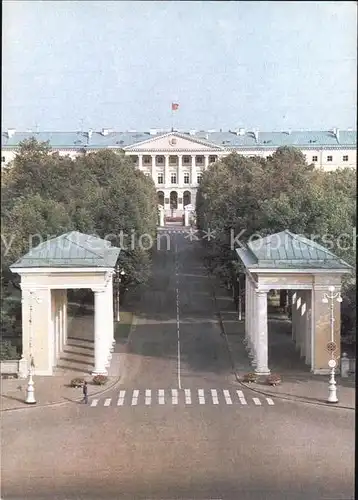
269	65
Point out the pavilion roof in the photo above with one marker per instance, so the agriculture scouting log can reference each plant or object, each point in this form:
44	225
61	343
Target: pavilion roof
286	250
73	249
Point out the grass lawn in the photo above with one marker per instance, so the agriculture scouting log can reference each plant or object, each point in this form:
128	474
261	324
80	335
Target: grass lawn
122	329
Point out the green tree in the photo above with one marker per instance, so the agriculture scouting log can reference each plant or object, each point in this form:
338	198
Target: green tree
97	193
101	193
264	196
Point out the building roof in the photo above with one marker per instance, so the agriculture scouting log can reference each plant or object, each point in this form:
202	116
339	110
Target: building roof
228	140
72	249
286	250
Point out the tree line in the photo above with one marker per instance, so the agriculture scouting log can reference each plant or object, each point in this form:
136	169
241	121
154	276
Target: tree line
98	193
247	196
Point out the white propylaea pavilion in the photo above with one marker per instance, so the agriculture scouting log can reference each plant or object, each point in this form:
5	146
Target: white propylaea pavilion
72	260
291	262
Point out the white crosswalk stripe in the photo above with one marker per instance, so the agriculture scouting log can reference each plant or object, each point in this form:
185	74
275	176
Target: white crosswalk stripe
161	399
227	398
121	398
148	397
174	396
135	398
214	396
241	397
201	396
179	396
187	396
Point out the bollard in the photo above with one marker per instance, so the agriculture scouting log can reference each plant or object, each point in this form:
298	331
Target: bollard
186	217
344	365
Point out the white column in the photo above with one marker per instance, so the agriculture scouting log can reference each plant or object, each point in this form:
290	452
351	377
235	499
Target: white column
293	315
110	311
193	170
262	338
166	171
57	326
303	327
206	162
153	169
246	308
308	319
297	321
65	319
61	319
161	217
100	344
186	217
109	324
180	171
140	162
249	312
254	323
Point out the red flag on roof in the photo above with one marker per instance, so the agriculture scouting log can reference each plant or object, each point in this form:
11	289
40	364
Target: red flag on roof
175	106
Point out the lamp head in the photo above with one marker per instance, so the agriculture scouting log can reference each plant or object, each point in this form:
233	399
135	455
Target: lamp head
325	300
331	288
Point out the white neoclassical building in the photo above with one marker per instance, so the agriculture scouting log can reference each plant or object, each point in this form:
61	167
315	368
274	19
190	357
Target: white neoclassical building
70	261
176	160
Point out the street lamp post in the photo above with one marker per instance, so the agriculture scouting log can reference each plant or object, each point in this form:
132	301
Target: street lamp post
30	391
332	346
118	278
239	298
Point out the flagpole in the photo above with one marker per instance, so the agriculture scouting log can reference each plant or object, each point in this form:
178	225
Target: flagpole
172	117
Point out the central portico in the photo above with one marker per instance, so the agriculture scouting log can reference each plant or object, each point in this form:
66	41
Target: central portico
176	163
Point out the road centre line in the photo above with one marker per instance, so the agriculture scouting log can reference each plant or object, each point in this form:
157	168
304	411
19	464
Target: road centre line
178	319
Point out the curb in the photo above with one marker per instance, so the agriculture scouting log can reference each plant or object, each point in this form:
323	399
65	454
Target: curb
301	399
59	403
98	393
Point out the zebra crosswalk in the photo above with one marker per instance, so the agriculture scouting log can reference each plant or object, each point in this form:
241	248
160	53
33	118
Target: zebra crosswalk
186	397
176	231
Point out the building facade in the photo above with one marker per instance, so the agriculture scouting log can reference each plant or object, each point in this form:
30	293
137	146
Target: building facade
176	160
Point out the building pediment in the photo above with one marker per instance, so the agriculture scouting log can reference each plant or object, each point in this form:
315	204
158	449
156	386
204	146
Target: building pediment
175	142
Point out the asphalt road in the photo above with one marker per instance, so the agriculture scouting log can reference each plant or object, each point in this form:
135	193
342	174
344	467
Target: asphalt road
155	448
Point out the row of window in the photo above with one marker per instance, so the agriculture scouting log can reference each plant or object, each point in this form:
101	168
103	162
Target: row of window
330	158
186	160
173	178
147	160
